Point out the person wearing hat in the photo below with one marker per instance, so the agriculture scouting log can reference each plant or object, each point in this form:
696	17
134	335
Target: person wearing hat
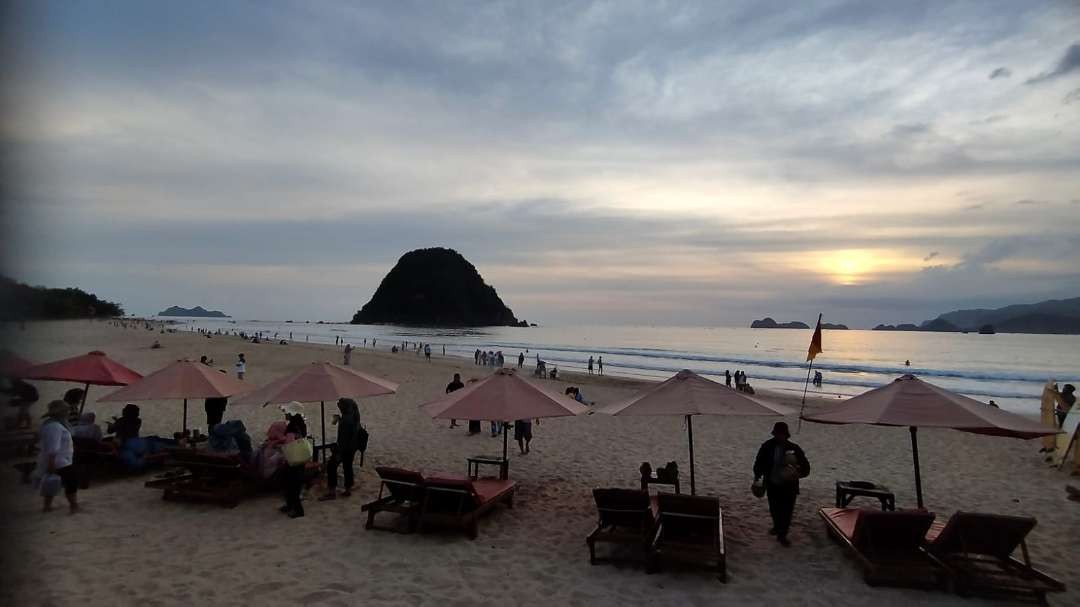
781	463
57	454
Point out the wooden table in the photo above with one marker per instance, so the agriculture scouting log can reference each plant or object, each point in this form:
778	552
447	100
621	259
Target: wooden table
846	491
476	461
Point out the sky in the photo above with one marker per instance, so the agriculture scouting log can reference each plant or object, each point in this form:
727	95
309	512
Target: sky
657	163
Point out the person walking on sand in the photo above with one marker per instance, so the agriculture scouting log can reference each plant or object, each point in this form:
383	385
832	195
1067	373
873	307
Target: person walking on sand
455	384
348	354
476	357
344	451
590	364
521	359
727	377
427	352
523	434
780	464
293	476
56	456
600	365
241	366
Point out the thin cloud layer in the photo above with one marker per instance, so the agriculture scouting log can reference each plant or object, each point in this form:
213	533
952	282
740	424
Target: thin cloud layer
695	163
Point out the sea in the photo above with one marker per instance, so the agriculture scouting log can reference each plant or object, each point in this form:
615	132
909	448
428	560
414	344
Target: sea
1010	369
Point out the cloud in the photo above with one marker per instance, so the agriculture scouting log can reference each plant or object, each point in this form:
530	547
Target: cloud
1071	97
1067	64
1001	72
932	255
1027	202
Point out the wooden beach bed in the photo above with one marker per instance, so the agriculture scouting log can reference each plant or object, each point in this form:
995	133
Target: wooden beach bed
625	516
690	528
886	544
460	502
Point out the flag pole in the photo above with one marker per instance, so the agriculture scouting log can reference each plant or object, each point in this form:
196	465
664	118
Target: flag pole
810	368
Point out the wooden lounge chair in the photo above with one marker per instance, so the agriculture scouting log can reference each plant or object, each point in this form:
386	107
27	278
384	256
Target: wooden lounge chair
887	544
625	517
689	528
460	502
976	549
404	493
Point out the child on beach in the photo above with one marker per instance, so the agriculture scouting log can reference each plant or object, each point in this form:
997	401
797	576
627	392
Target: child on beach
241	366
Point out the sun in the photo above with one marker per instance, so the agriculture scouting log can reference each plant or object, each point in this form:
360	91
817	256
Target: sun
849	267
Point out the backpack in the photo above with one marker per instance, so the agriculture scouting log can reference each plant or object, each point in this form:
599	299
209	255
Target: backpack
361	438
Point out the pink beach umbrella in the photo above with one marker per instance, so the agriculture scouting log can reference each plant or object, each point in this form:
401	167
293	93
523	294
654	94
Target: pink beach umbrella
504	396
688	394
319	381
92	368
182	379
909	401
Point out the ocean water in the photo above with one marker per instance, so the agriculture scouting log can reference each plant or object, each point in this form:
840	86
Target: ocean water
1007	368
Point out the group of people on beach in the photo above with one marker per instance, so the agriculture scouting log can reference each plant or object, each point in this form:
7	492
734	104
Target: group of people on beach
741	384
599	365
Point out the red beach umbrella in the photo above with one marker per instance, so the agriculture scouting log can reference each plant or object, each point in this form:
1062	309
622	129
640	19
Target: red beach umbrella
688	394
503	396
909	401
93	368
182	379
319	381
13	366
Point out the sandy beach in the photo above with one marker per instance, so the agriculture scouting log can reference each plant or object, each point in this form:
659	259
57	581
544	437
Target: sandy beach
131	547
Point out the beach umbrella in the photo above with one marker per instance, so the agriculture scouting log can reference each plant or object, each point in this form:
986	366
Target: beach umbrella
93	369
909	401
12	366
688	394
182	379
503	396
319	381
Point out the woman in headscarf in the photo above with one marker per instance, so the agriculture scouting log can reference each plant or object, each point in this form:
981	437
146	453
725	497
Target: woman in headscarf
57	455
348	423
293	475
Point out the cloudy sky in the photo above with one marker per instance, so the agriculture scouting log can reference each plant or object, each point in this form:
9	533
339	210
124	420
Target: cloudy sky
599	162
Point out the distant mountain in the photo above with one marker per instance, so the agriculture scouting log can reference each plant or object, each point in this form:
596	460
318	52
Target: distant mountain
197	312
20	301
903	327
769	323
1052	316
435	287
939	325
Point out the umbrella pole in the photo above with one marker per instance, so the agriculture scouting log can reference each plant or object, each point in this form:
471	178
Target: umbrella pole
504	470
915	456
322	411
184	425
690	435
83	403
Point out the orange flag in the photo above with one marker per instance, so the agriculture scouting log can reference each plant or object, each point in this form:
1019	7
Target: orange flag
815	342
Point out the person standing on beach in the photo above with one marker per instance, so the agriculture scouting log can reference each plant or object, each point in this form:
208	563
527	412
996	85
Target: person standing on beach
521	359
476	357
455	384
348	354
57	454
74	398
344	451
293	476
241	366
427	352
590	364
727	377
600	365
1065	404
780	464
523	434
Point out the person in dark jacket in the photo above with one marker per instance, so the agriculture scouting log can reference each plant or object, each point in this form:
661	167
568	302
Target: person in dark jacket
780	463
451	387
215	411
348	423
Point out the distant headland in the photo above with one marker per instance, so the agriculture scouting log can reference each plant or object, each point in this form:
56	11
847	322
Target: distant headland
19	301
196	312
769	323
1054	316
436	287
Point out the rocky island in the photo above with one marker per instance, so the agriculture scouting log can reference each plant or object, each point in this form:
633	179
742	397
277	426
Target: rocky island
196	312
769	323
435	287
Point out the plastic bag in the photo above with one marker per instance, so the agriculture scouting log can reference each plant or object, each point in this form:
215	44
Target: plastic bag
50	485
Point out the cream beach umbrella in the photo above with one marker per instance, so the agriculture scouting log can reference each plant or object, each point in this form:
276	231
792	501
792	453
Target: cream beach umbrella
182	379
503	396
688	394
319	382
909	401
